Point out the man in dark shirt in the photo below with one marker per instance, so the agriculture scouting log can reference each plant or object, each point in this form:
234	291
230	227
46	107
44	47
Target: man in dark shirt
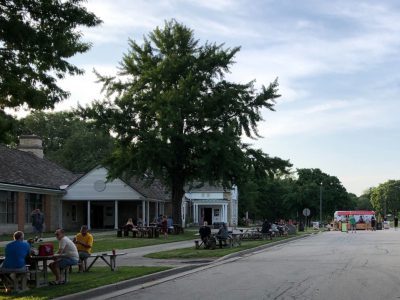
205	234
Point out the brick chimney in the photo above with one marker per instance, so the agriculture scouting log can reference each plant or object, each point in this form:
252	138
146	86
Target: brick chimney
31	143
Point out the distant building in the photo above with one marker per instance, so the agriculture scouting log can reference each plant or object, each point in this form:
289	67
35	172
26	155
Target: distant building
212	204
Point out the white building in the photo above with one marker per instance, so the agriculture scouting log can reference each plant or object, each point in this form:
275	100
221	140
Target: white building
210	203
99	203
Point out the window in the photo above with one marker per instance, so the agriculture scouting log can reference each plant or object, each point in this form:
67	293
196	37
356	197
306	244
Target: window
32	201
216	212
7	207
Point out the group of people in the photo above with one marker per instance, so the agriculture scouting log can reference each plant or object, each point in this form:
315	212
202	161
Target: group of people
71	252
162	222
208	240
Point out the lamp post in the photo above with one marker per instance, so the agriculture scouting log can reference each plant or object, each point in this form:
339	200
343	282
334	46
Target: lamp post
320	203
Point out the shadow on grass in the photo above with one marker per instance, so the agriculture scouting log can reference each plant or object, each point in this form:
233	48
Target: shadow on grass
98	276
192	252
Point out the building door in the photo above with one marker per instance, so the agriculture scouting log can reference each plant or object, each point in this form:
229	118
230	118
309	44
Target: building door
208	215
97	214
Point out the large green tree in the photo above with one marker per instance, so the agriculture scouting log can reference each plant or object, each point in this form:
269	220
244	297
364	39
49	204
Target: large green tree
385	198
36	40
68	140
312	184
176	116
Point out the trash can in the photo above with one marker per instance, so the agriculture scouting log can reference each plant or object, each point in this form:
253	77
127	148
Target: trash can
344	227
379	226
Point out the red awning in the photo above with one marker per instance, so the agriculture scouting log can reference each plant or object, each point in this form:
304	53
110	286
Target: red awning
355	212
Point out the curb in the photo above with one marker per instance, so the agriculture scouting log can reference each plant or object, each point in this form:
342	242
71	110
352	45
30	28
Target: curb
156	278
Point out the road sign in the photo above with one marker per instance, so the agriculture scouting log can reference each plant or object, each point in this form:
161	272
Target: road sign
306	212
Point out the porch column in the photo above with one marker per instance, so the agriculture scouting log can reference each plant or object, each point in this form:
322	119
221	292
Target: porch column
60	213
148	213
144	212
226	213
157	211
88	215
196	214
21	211
47	212
116	214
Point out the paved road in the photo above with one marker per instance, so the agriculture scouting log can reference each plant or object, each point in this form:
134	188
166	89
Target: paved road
332	265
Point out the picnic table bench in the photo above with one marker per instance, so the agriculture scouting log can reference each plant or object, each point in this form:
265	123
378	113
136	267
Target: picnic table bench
111	261
18	281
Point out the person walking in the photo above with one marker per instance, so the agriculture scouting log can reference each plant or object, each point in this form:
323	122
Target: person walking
352	221
37	224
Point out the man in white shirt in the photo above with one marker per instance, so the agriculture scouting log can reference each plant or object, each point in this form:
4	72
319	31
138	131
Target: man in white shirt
69	253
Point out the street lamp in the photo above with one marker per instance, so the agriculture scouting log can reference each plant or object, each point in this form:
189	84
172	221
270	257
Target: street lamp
320	203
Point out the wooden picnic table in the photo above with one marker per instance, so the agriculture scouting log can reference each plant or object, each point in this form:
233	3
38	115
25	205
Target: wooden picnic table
41	272
111	262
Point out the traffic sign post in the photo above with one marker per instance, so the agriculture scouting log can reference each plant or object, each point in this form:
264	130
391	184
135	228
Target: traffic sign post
306	213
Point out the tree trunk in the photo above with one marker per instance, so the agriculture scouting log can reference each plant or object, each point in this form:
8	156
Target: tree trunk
177	194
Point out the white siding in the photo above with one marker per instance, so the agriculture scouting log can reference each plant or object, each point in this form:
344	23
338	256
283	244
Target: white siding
204	195
84	188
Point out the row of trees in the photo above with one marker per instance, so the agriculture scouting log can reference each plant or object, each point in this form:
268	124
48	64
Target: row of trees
169	113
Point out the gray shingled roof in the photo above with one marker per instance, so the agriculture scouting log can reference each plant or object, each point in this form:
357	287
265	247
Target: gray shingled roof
152	190
24	168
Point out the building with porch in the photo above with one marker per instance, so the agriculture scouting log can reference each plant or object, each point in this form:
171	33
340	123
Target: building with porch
213	204
99	203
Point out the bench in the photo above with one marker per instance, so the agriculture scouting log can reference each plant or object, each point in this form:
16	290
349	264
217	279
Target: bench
112	263
18	280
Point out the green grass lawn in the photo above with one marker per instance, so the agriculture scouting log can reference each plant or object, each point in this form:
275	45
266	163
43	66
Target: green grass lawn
105	243
192	252
98	276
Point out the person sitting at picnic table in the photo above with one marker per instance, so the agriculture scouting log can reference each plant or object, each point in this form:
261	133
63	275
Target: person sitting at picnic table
129	225
15	254
84	243
265	229
222	234
170	225
70	256
205	234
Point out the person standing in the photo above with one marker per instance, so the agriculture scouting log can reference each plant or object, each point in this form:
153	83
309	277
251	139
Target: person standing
69	257
352	221
396	222
37	224
84	243
373	223
164	227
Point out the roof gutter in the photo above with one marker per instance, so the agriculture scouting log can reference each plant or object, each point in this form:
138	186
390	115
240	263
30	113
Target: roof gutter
29	189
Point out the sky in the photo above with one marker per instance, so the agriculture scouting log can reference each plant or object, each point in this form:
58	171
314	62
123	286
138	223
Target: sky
337	62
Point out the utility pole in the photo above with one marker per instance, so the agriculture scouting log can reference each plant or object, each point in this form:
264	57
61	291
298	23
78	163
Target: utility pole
320	203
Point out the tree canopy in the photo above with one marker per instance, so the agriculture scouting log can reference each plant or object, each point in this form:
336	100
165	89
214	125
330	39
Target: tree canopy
36	39
176	116
68	140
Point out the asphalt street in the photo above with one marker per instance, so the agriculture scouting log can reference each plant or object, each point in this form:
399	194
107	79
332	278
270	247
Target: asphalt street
331	265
